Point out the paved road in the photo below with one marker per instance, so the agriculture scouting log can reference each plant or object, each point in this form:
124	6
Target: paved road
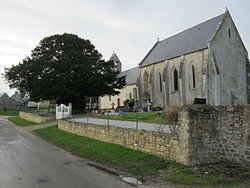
126	124
28	162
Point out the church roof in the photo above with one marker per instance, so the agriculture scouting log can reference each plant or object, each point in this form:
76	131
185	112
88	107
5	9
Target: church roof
131	75
190	40
1	94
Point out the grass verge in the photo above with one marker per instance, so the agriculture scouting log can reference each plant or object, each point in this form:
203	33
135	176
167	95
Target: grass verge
117	156
21	122
139	163
9	113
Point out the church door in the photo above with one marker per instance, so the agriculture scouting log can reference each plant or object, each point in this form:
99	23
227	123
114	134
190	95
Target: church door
118	102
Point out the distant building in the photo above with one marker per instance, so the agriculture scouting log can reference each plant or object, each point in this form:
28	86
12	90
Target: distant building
17	98
6	102
128	92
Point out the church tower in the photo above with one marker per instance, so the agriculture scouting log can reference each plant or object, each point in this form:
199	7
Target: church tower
117	62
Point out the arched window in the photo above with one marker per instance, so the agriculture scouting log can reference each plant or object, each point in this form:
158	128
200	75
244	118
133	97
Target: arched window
160	82
175	76
145	81
193	76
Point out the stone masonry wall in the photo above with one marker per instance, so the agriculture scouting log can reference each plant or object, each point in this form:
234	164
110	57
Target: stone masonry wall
206	134
163	145
210	134
35	118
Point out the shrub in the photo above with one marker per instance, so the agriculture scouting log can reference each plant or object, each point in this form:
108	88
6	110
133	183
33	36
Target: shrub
171	113
157	108
129	103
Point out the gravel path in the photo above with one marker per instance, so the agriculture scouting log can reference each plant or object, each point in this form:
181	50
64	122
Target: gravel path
125	124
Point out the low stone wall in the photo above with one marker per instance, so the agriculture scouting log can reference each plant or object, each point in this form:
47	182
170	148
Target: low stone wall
35	118
206	134
163	145
211	134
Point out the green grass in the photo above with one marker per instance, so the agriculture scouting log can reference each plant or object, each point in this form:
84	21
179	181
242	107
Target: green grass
150	117
46	110
139	163
191	176
117	156
21	122
9	113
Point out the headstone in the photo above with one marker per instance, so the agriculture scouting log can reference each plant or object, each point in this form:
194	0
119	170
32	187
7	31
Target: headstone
113	105
199	101
148	105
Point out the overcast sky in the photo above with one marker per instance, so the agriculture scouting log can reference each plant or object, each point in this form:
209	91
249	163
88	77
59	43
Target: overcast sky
128	27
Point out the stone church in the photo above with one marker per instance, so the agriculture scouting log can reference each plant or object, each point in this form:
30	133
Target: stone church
206	61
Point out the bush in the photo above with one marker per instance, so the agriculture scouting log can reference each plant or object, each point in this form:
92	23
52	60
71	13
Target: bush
157	108
129	103
171	113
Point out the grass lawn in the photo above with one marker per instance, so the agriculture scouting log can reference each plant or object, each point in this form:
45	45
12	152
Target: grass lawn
21	122
151	117
46	110
9	113
139	163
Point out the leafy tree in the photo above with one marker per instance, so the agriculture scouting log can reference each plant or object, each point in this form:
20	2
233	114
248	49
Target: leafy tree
65	68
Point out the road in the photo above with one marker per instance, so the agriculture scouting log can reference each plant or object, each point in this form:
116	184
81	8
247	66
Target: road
29	162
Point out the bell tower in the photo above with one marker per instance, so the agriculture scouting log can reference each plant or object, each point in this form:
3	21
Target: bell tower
118	64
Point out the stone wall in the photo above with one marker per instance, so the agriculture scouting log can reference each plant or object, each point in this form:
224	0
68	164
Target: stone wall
35	118
185	93
206	134
163	145
210	134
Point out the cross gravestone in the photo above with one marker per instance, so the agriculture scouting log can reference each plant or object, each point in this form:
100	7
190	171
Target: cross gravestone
148	105
113	105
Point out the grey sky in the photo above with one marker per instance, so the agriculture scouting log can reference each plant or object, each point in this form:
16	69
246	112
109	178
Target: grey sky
129	27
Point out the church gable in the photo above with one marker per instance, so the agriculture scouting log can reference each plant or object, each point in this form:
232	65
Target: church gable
229	55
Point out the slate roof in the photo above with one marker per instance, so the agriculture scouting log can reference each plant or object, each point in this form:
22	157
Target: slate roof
131	75
1	94
190	40
16	97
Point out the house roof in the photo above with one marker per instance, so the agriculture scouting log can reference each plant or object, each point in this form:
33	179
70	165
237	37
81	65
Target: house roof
16	97
190	40
131	75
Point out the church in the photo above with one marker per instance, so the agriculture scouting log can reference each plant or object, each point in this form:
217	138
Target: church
207	61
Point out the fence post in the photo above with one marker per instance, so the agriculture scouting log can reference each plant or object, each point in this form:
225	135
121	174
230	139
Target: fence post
87	117
137	119
108	118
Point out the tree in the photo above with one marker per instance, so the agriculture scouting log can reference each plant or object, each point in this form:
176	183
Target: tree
65	68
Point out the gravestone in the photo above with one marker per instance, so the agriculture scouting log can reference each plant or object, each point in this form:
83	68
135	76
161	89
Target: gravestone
199	101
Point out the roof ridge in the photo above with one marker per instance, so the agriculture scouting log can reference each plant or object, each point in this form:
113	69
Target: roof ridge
129	69
190	40
192	27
